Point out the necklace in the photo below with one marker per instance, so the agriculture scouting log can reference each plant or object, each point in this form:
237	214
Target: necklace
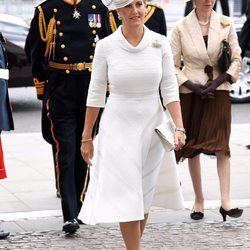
76	14
203	23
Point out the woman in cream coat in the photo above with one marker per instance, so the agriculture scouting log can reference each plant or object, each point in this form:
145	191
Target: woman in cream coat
204	92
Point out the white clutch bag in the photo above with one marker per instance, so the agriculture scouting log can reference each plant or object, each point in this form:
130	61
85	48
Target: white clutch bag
166	133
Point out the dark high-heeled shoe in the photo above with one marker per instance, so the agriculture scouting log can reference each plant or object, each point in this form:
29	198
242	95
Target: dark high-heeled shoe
197	215
234	212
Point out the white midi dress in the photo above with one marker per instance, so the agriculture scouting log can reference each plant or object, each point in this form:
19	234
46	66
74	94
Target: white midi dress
129	159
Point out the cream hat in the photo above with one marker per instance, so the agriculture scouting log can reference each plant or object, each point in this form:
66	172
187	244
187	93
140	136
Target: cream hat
116	4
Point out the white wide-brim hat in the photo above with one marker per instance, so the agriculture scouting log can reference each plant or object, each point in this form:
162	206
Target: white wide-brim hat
116	4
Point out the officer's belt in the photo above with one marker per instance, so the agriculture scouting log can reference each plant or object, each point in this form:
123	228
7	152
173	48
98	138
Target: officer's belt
72	66
4	74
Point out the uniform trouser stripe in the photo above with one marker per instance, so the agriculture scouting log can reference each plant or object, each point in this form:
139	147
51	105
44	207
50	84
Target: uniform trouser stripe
86	181
57	148
71	209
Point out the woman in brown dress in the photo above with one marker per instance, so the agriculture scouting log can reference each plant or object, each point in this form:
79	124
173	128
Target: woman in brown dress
196	41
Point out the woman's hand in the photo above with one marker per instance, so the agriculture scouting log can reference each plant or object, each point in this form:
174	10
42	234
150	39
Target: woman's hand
195	88
179	138
87	151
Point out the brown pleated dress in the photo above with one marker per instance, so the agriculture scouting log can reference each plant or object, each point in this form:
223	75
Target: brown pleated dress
207	123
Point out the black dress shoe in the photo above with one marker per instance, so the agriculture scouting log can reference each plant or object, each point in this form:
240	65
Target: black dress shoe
4	235
70	226
197	215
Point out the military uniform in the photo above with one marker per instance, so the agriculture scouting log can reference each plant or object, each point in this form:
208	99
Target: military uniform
62	40
154	19
6	120
244	38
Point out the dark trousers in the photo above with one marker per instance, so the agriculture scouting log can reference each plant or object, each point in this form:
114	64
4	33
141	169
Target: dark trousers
66	112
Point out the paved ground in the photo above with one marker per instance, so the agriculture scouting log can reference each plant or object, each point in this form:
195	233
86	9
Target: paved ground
159	236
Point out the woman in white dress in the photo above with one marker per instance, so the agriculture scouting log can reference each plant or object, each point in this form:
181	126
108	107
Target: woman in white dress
127	154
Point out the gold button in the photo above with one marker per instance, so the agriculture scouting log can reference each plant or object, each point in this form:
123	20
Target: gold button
60	34
94	32
93	7
65	58
67	71
93	44
62	46
55	10
91	57
58	22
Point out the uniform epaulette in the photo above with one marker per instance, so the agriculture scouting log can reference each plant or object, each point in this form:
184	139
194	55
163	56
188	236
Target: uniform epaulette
41	3
154	5
112	21
47	32
151	7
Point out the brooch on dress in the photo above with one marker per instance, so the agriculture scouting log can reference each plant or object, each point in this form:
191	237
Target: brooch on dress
156	44
224	23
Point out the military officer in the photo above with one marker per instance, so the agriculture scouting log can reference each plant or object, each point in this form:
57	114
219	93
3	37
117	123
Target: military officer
62	39
244	38
154	19
6	120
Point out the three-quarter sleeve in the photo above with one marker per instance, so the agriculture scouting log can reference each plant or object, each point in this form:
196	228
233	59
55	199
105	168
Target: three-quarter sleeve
169	85
98	82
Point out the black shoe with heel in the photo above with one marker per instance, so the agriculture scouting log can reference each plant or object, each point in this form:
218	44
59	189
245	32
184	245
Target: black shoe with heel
197	215
234	212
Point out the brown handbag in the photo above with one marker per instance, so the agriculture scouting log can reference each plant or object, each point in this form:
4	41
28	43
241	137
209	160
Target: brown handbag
225	56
